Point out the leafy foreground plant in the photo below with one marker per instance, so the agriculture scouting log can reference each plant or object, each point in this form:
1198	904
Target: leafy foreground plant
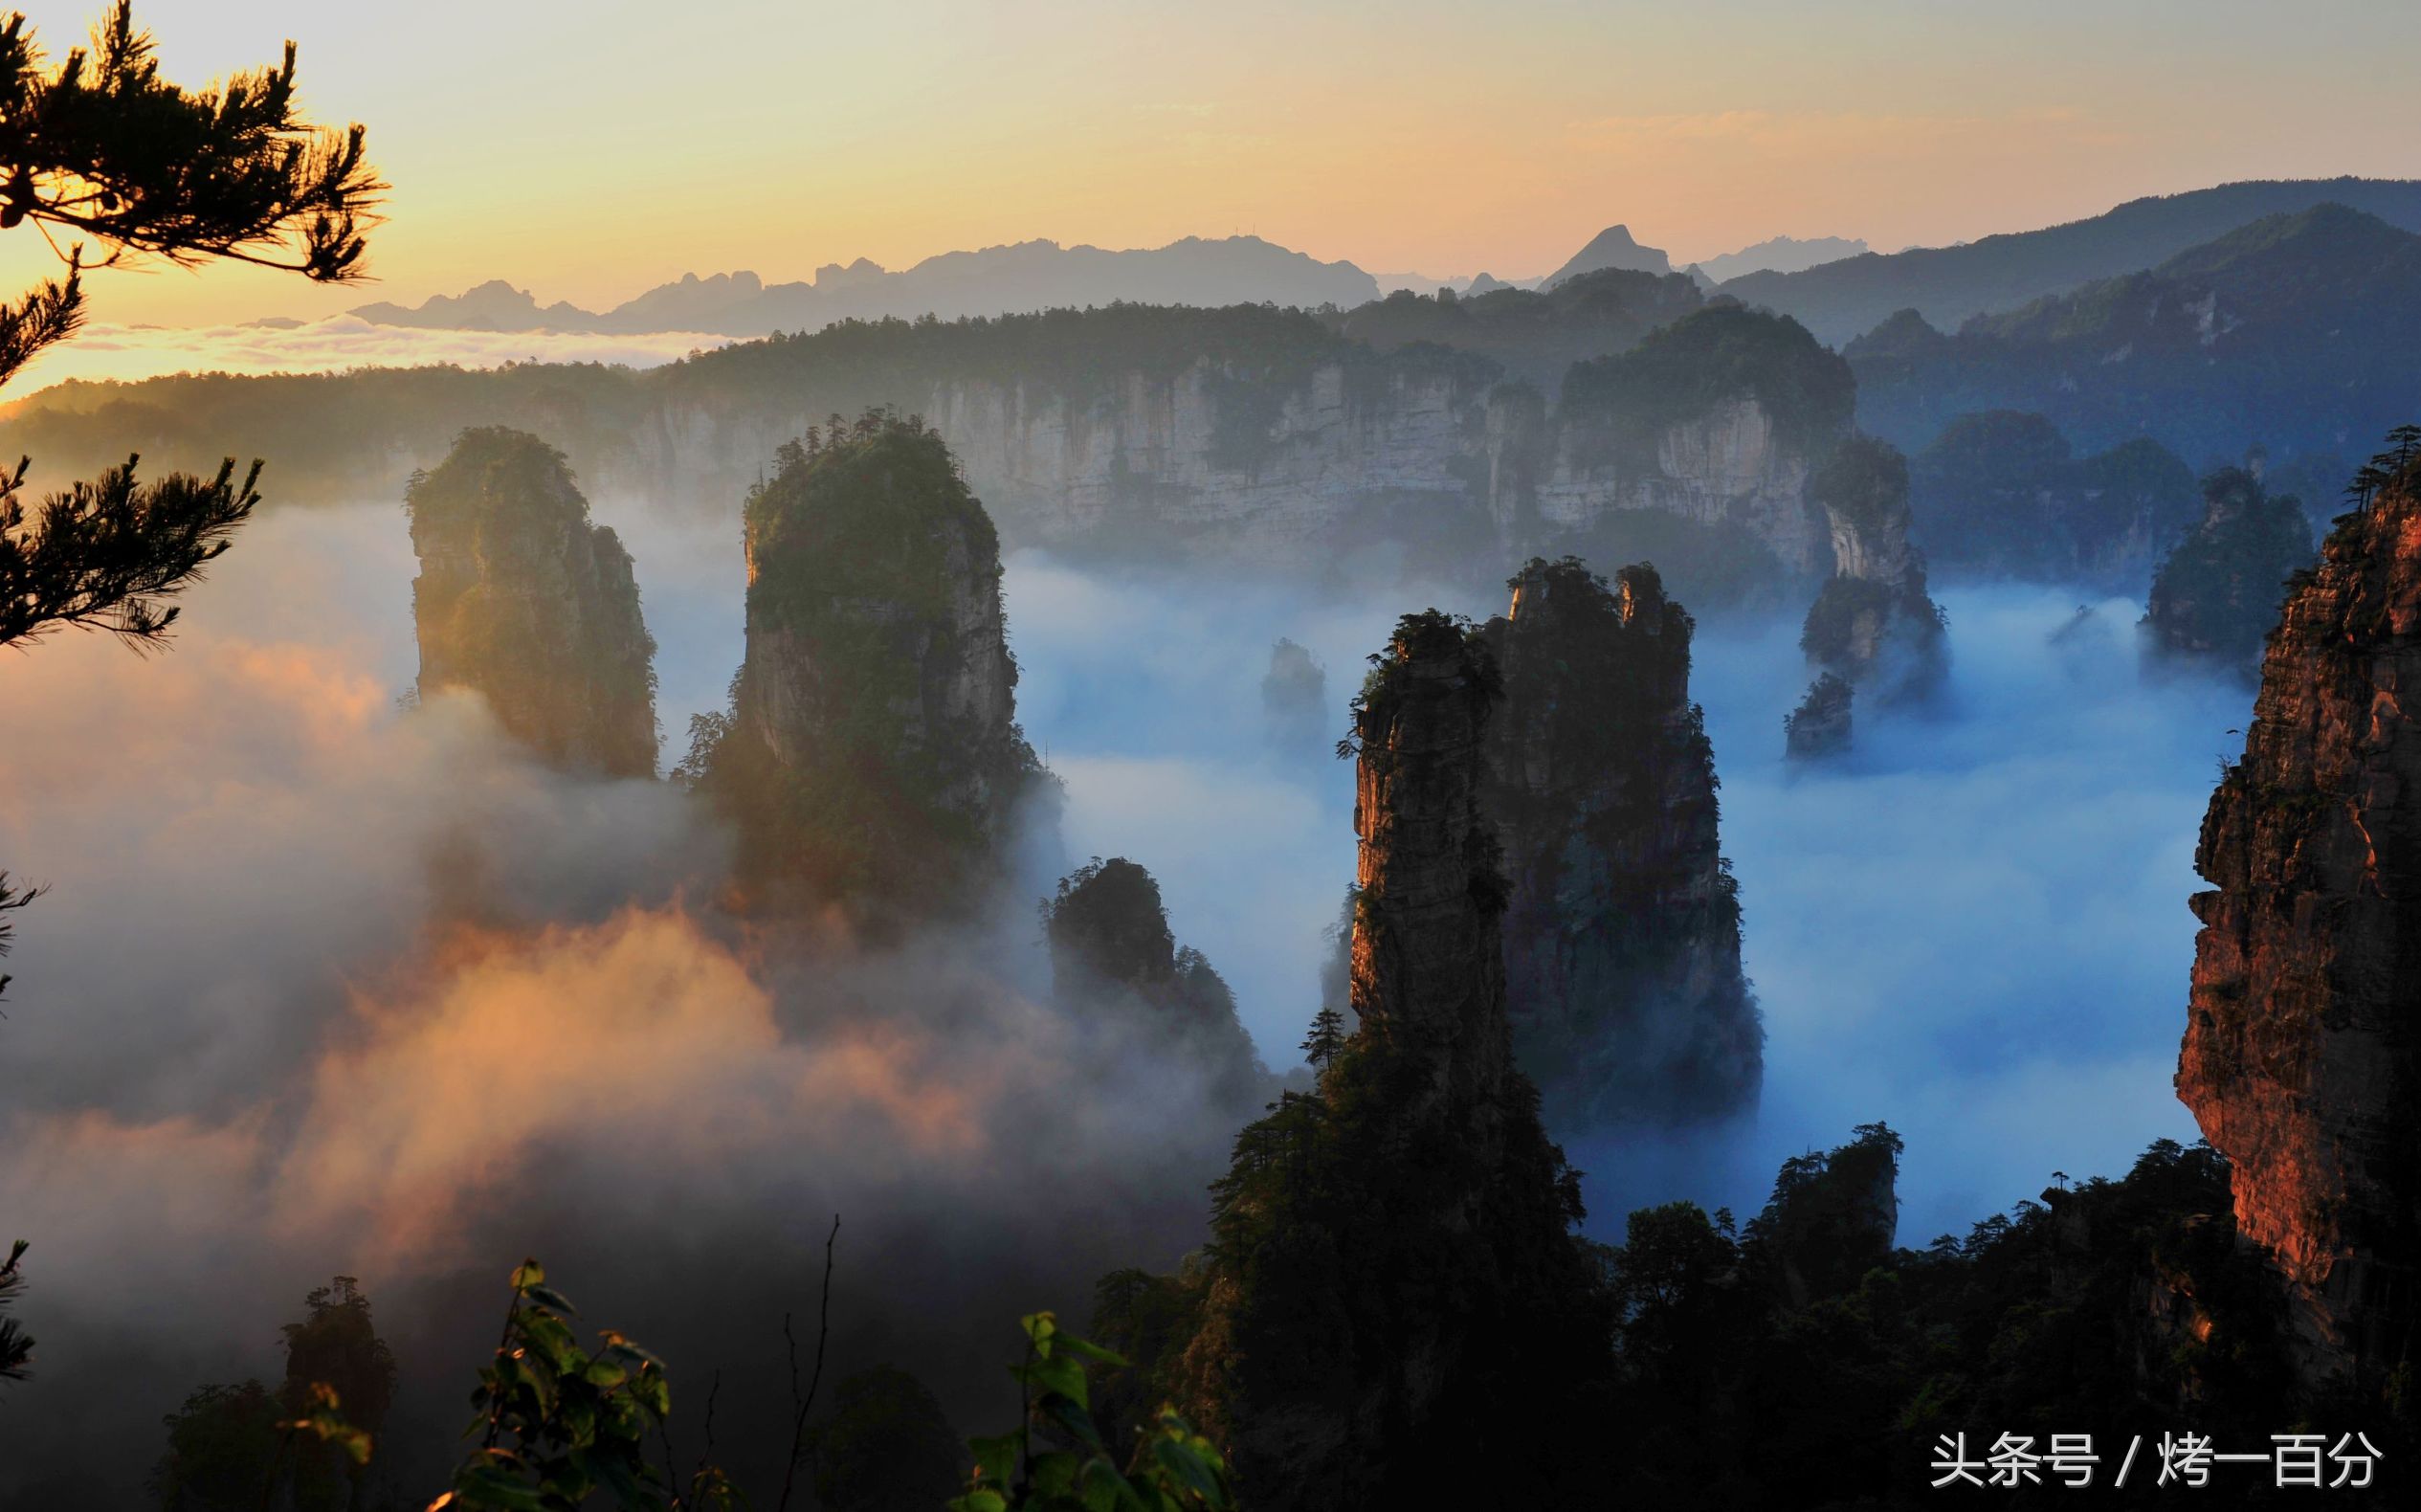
559	1424
1174	1469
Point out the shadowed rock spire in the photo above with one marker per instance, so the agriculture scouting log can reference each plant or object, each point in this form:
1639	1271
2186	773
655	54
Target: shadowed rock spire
1391	1265
521	599
1622	933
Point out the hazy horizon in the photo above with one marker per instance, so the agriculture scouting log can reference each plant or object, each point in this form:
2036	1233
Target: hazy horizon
1401	141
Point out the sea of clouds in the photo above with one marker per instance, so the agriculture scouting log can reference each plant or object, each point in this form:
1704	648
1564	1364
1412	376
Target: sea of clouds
322	986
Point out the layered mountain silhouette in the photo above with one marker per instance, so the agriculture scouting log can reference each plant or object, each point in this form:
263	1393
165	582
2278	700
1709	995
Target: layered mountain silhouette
1781	254
1611	247
2293	331
1947	285
1023	276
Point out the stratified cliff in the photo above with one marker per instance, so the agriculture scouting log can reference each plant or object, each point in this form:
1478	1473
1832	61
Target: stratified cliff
1112	952
1249	435
2217	594
1394	1301
1872	625
1718	420
2299	1056
1622	932
520	599
871	756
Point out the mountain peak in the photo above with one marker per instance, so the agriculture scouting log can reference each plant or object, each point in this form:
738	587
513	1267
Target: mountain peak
1612	248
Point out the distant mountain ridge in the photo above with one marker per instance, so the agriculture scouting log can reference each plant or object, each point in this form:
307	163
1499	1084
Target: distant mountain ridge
1949	285
1019	277
1781	254
2295	331
1611	247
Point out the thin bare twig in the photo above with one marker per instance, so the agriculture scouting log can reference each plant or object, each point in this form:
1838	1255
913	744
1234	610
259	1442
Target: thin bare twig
805	1405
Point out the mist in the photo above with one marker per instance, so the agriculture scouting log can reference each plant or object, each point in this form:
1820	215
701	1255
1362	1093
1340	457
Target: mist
1973	928
335	344
327	986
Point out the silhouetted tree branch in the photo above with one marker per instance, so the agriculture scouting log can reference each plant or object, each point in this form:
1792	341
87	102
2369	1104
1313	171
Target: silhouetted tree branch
102	554
802	1406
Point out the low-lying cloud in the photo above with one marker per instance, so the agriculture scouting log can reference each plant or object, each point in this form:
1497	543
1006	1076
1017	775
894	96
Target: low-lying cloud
328	987
337	343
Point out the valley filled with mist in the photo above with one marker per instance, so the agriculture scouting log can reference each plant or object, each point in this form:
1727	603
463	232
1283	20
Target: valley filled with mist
1183	874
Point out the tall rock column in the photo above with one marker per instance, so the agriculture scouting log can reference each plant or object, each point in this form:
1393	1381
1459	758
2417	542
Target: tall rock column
1874	624
1394	1307
1428	968
1622	935
521	599
2300	1056
871	756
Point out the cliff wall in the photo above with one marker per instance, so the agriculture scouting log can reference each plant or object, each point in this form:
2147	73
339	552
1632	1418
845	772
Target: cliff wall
2300	1054
1259	436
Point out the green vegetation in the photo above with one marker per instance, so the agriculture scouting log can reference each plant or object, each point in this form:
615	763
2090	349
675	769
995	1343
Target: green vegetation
1820	725
1112	950
1172	1468
1107	928
521	598
309	1441
2216	596
1998	493
2121	1305
1535	337
1622	932
559	1425
1865	481
1873	621
1722	352
2292	330
100	145
103	555
1717	567
870	753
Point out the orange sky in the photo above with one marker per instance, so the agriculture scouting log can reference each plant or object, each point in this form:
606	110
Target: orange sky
590	150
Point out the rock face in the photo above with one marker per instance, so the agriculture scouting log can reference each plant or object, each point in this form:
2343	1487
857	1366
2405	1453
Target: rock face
1820	725
1622	931
1112	951
1295	697
1872	624
2217	594
520	598
872	755
1253	470
2299	1052
1717	419
1284	448
1261	438
1393	1254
